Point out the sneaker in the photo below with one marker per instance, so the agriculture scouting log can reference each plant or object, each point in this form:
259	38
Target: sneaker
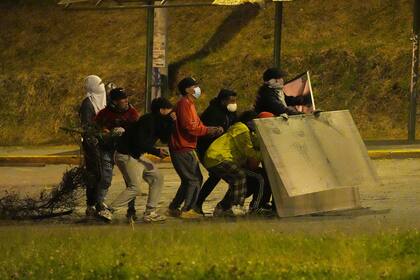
264	212
199	210
105	214
220	212
173	212
90	211
190	214
238	210
152	217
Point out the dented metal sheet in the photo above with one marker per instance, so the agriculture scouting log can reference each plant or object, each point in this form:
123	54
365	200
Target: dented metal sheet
315	164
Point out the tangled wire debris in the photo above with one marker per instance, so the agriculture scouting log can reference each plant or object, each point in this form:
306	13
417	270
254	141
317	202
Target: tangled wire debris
59	201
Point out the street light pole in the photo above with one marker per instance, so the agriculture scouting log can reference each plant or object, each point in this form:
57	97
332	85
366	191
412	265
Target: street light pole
414	73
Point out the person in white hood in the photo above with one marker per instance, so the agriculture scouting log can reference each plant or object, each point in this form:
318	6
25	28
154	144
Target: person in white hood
94	101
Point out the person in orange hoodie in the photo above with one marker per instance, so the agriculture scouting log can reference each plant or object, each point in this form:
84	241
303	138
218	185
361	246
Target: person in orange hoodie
182	147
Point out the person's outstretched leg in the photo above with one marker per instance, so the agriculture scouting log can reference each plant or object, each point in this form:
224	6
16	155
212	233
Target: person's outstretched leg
175	205
195	180
188	169
130	168
154	179
206	189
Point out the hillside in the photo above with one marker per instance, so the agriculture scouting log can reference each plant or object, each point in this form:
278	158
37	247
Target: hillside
359	53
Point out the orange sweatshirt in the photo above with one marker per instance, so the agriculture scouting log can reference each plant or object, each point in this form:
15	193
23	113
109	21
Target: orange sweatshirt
188	127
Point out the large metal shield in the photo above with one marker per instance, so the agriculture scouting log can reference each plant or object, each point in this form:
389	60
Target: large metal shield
315	164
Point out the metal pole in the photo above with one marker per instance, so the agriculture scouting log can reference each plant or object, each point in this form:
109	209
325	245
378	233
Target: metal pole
414	73
278	20
149	56
310	89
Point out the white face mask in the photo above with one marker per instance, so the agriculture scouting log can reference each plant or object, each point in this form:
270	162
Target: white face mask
197	92
232	107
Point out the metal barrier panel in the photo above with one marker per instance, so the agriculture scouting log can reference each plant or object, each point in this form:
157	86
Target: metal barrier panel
315	164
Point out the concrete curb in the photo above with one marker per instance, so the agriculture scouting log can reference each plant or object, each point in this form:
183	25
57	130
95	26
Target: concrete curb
394	153
75	159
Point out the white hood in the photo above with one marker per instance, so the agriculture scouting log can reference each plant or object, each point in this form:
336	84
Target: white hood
95	91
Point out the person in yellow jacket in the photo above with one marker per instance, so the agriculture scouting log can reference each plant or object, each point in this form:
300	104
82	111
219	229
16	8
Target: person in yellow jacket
230	157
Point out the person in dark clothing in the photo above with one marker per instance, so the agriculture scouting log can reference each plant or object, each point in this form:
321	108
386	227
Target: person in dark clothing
113	120
94	102
138	139
220	112
271	98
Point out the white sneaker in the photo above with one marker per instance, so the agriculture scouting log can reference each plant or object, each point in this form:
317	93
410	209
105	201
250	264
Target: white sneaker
151	217
239	210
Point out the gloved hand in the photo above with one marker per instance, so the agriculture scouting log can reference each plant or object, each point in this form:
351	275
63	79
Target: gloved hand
118	131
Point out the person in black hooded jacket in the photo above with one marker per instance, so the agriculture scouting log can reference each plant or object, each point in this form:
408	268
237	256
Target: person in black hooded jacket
271	98
140	138
220	112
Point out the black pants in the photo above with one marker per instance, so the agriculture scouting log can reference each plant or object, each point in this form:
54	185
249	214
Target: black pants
207	188
93	170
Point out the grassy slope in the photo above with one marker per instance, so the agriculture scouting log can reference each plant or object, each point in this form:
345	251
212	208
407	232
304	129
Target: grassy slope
358	52
247	250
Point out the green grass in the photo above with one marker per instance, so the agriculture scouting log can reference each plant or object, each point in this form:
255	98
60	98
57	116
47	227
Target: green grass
359	53
247	250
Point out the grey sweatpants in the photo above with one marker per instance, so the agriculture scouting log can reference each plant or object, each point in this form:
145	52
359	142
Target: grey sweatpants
188	169
131	169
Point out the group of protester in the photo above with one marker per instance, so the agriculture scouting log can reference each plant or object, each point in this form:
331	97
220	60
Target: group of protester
223	142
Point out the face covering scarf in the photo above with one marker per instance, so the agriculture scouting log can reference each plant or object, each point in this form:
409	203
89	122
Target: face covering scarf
95	91
278	87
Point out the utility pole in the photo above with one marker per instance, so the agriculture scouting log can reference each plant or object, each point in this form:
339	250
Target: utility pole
149	55
278	22
414	73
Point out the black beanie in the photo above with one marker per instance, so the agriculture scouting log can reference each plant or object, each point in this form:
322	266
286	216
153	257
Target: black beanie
273	73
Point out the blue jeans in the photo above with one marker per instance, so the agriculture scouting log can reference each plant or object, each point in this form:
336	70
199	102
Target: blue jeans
107	167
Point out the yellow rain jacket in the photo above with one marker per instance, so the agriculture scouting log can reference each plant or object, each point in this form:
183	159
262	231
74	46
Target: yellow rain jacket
235	145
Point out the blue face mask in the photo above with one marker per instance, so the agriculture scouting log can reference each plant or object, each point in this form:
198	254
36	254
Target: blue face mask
197	92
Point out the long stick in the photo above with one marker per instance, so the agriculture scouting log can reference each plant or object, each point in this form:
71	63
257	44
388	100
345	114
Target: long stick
310	89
